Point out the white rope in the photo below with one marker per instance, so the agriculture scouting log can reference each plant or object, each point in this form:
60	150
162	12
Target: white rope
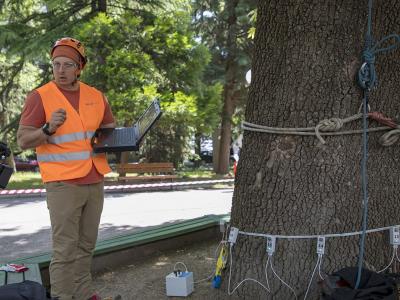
244	280
319	270
394	254
317	265
315	236
329	127
286	284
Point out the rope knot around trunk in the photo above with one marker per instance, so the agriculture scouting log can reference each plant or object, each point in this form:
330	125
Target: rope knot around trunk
332	124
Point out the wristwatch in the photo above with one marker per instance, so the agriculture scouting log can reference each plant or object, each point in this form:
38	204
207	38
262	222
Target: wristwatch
45	129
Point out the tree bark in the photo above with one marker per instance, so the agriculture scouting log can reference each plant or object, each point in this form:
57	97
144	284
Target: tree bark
306	57
99	6
102	5
197	148
230	88
216	143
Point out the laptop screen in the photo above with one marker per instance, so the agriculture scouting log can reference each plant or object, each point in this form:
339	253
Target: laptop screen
147	119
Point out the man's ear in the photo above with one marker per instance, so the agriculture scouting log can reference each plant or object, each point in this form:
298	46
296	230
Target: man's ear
78	72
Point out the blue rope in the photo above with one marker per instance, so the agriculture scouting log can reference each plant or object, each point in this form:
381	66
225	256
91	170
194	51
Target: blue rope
364	182
367	79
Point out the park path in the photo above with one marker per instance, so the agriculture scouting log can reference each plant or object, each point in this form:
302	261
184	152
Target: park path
25	223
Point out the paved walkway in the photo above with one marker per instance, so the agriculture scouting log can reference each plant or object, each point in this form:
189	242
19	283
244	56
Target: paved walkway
25	224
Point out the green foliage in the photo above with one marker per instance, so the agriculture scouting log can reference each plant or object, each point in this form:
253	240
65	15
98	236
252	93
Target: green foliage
253	19
16	80
223	26
117	65
137	50
170	140
133	61
209	107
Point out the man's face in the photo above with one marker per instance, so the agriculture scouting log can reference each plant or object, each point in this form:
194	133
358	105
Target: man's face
65	71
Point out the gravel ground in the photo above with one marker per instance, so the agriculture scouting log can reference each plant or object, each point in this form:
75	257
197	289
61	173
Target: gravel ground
145	279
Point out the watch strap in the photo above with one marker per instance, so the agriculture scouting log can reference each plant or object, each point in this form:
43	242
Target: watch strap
45	129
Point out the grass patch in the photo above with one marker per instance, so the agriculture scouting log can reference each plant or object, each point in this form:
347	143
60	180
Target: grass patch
32	180
25	180
196	174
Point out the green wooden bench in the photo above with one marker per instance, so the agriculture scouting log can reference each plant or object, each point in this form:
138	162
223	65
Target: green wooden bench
33	274
156	234
121	242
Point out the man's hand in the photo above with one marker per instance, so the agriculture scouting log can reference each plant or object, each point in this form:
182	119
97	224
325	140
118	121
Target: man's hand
58	118
31	137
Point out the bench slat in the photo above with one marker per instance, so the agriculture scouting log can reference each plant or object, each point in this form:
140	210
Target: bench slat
33	274
2	278
141	169
145	165
14	277
155	171
156	164
159	177
158	233
152	171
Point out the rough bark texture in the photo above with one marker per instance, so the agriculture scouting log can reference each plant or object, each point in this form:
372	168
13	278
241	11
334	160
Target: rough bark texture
306	56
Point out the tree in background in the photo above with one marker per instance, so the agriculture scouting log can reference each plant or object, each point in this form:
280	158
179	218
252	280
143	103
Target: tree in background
147	58
306	58
223	26
27	31
138	51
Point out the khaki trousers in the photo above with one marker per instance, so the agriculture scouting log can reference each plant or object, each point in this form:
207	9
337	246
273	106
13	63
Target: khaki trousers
75	212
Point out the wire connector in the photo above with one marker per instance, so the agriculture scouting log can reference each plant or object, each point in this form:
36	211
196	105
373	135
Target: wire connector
233	233
395	235
321	245
222	226
271	242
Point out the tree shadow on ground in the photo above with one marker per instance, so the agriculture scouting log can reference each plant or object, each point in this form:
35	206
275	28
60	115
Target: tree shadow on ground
19	246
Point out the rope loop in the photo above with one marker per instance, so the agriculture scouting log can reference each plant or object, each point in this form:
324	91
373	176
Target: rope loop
367	77
391	47
389	138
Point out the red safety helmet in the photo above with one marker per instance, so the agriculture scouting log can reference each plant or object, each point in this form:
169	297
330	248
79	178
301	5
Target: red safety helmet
73	43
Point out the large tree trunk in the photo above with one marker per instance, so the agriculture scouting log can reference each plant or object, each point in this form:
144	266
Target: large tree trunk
306	56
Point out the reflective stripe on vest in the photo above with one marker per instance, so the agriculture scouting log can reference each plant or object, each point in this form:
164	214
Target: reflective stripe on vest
71	137
63	157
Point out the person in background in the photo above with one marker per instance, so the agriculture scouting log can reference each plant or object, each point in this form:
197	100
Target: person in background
59	119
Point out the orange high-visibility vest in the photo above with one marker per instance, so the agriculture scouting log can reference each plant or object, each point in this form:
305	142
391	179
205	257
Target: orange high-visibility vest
68	153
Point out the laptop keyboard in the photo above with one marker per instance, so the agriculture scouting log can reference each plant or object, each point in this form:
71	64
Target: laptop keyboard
124	136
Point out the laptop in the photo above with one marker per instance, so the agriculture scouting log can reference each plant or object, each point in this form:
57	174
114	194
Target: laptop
126	138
